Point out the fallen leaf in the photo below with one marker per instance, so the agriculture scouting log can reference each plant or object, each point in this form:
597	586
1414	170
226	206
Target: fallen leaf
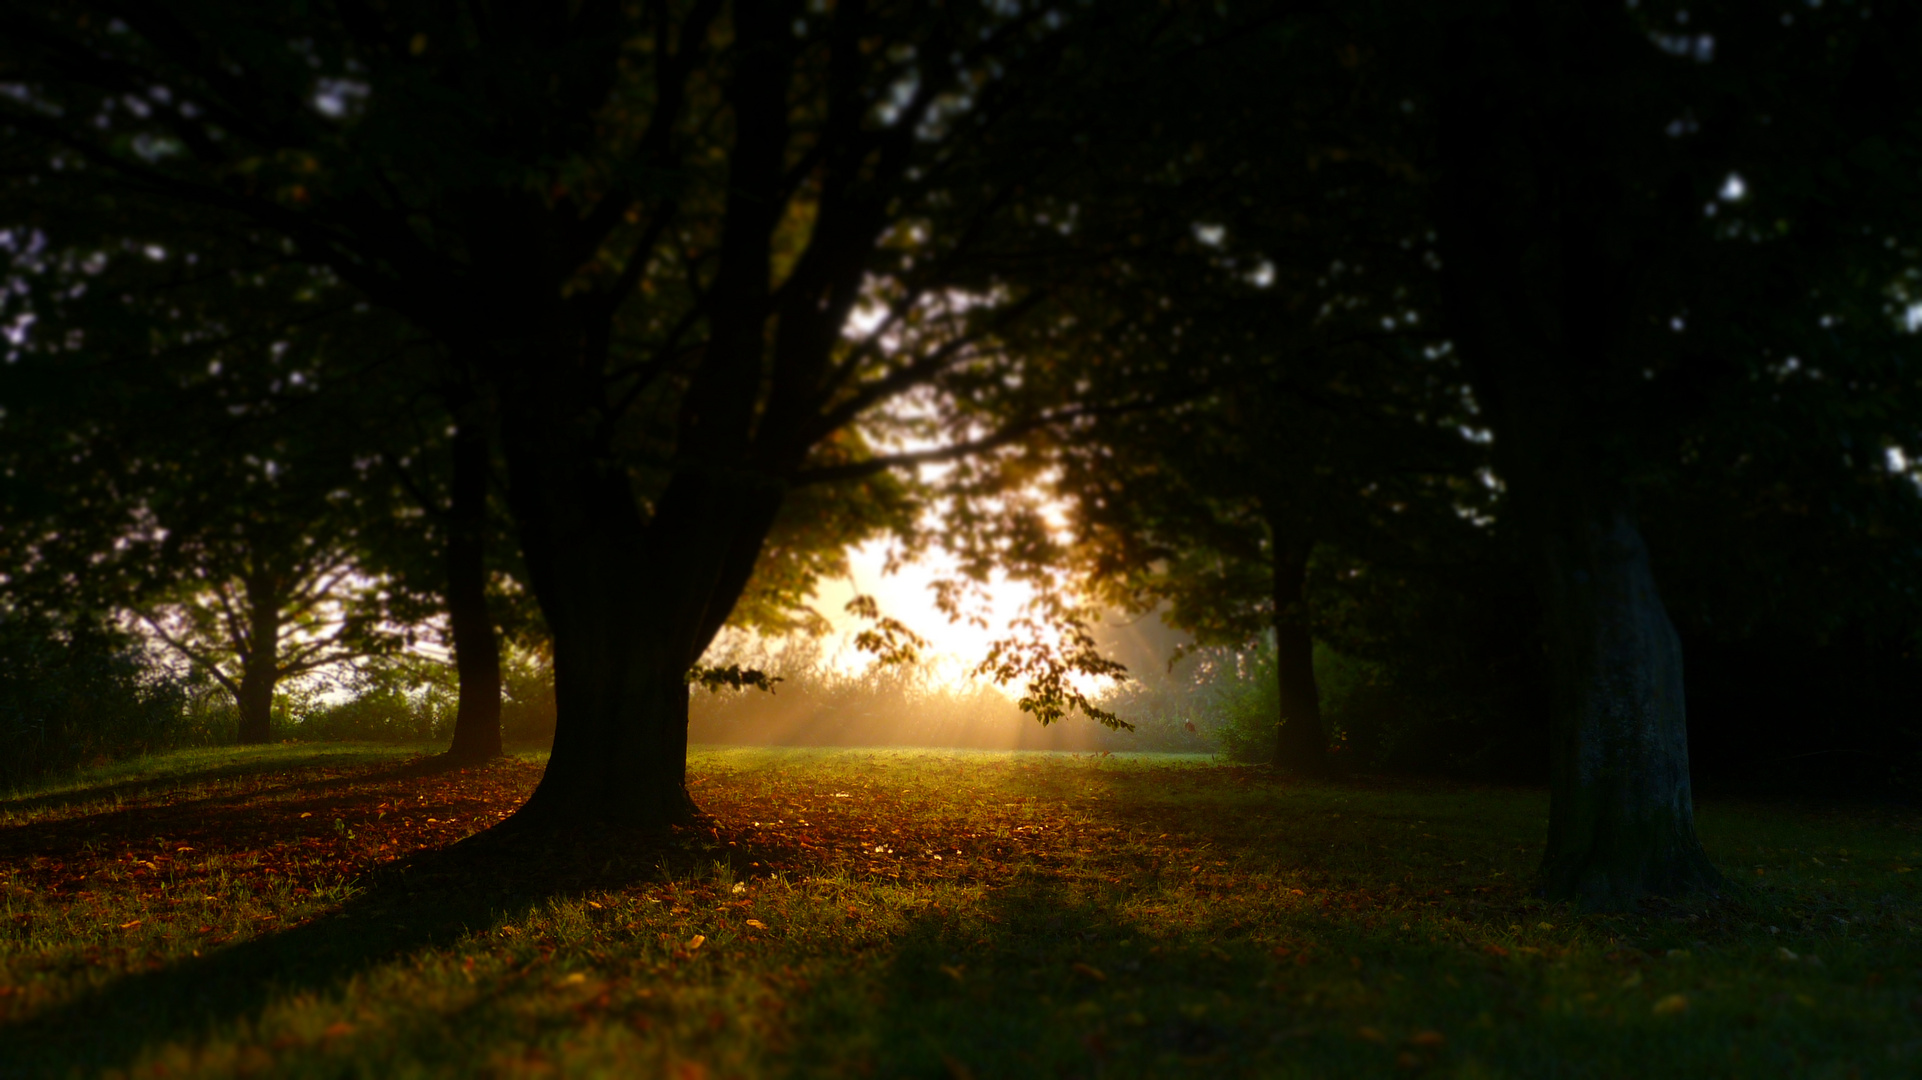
952	972
309	813
757	924
739	887
130	925
1090	971
594	905
1787	954
696	942
1671	1005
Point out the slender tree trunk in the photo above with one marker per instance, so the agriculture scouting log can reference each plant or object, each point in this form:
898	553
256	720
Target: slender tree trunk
477	720
260	663
1301	743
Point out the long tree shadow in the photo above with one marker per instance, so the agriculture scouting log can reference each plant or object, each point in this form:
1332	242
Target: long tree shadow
1052	985
424	901
234	817
259	768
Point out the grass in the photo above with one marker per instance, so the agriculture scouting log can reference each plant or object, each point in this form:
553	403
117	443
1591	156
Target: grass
306	911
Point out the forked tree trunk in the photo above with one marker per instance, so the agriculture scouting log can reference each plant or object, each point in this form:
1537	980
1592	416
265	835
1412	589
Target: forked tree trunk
260	663
477	719
1301	743
633	628
1622	817
632	601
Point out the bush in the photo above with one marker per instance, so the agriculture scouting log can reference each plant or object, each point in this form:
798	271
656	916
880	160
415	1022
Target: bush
407	699
527	698
79	692
1246	704
1359	708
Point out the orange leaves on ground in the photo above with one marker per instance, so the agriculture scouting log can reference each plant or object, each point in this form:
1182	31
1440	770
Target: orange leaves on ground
175	847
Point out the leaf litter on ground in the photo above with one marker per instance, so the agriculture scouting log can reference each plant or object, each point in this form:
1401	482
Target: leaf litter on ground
913	912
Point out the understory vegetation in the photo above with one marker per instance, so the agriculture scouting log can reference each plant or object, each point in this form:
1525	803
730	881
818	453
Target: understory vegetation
312	910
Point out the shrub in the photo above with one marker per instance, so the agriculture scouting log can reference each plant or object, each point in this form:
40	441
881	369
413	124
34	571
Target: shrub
527	698
79	691
403	699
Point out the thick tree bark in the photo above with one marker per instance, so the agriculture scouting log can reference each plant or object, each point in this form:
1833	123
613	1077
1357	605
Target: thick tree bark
260	664
1301	742
477	719
1622	818
631	622
1544	243
634	595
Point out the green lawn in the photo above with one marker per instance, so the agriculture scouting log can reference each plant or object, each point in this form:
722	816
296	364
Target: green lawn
306	910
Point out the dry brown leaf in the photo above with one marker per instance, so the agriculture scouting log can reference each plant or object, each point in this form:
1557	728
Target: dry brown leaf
1671	1005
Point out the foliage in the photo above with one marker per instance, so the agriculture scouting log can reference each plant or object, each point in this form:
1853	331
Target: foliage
76	693
303	910
527	692
820	702
405	699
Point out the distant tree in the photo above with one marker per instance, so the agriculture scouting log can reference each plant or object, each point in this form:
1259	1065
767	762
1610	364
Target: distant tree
200	484
261	604
1241	245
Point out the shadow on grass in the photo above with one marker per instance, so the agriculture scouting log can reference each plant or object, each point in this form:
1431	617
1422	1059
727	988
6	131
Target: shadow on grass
244	768
233	816
1055	986
420	902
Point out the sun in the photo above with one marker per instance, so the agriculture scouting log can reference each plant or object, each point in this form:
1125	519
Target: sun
907	595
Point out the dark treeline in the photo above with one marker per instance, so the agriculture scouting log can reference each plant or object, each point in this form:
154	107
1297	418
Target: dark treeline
1548	369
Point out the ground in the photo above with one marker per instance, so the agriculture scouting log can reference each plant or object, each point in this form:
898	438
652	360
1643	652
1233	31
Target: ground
313	911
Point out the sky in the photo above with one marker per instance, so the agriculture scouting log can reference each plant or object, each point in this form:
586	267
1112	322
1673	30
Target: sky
905	595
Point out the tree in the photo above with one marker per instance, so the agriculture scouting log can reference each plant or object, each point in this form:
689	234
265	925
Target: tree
1247	249
1607	316
257	603
641	228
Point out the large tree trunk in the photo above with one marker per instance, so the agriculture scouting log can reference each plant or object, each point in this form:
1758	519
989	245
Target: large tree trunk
631	623
477	720
1301	743
1622	819
632	600
1546	242
260	664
